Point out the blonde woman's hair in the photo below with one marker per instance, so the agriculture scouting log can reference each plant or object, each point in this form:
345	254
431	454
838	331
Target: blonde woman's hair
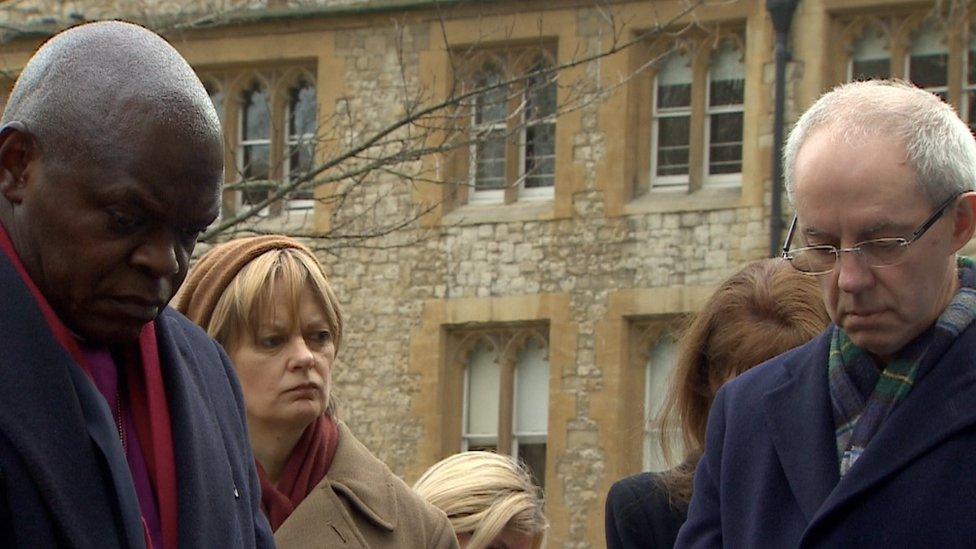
251	297
482	493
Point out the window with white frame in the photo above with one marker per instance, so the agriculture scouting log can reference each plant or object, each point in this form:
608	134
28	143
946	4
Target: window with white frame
529	434
927	61
482	390
660	364
723	120
489	130
871	57
506	399
300	141
254	144
538	136
694	107
511	153
269	121
671	132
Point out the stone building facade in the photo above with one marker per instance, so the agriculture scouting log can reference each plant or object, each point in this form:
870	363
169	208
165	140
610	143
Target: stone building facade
537	320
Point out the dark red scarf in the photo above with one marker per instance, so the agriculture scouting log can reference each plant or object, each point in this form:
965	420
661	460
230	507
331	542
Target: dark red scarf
148	399
307	465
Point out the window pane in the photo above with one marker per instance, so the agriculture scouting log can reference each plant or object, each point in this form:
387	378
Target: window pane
482	393
217	98
490	161
542	94
256	162
871	58
256	117
533	455
869	70
659	366
929	59
531	390
301	120
673	81
299	163
491	106
971	61
971	100
672	145
540	154
726	77
255	166
725	143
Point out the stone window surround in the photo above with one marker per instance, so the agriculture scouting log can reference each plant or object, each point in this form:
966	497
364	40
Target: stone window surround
701	45
507	342
232	83
897	27
634	322
431	352
517	58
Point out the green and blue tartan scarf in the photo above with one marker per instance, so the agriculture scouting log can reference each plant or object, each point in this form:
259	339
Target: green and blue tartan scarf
862	396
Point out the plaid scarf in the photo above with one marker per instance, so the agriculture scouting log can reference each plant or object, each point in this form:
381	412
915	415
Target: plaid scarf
862	396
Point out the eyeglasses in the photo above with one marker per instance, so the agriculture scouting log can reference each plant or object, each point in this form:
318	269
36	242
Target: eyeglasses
877	252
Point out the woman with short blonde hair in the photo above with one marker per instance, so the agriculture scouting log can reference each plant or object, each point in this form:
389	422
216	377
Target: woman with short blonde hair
267	301
489	499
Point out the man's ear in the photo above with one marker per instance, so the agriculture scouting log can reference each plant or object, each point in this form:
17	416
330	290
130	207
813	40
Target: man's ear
17	150
964	216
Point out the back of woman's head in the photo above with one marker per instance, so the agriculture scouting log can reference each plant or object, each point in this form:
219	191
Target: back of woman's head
483	493
764	310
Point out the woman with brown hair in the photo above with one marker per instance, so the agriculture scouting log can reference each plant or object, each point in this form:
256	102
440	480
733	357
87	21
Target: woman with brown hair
764	310
267	301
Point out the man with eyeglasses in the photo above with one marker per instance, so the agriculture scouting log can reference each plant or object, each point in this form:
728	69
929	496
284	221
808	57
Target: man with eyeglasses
866	436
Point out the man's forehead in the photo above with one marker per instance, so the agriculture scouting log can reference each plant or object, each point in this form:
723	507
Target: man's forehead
160	198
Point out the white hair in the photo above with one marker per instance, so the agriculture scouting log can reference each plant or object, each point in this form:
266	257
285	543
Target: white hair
482	493
939	146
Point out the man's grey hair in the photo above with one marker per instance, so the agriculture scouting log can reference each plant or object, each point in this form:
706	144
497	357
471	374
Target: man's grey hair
939	146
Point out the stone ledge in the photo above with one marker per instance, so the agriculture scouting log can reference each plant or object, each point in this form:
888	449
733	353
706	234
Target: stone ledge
476	214
671	201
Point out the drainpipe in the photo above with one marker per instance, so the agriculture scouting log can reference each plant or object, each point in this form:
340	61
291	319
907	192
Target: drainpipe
781	12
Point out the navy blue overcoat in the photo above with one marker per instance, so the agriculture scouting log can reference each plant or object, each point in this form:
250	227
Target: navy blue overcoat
55	487
769	476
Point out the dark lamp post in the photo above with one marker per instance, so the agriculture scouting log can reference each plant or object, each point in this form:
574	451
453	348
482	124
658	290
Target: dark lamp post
781	12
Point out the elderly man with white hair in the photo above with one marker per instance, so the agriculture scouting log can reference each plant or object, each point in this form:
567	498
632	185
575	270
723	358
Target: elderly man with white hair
866	436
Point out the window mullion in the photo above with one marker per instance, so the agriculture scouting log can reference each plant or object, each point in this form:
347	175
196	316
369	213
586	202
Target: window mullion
696	157
506	396
957	47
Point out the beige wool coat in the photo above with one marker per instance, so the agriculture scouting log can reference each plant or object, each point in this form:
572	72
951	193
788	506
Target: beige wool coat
361	503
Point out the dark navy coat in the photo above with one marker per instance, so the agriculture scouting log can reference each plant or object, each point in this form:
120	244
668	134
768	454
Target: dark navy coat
769	476
55	487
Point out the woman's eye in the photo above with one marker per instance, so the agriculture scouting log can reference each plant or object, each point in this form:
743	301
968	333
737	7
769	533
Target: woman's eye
321	336
269	342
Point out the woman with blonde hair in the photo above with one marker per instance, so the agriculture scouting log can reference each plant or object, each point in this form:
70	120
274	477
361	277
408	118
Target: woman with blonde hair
762	311
267	301
490	500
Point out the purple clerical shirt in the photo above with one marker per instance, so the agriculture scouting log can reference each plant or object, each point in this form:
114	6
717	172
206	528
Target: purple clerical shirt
106	377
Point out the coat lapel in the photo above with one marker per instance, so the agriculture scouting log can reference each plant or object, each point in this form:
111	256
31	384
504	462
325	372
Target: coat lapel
324	519
940	405
800	423
206	489
42	418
